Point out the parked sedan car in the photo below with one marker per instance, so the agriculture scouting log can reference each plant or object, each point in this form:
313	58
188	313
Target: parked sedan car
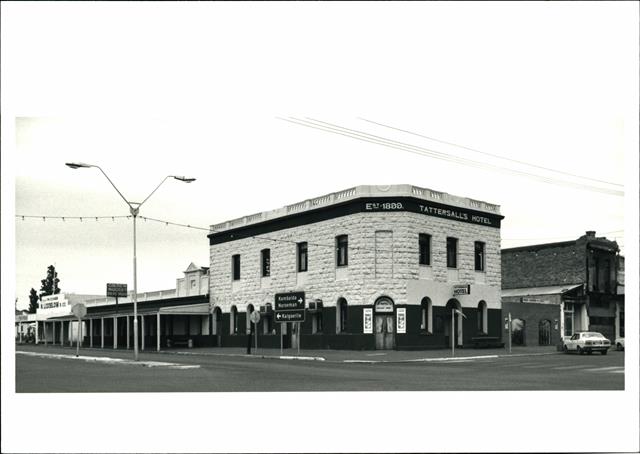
620	343
587	341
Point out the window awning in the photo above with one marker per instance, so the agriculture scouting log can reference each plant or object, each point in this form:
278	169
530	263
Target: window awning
535	291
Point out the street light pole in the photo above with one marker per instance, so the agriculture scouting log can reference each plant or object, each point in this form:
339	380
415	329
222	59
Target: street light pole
134	210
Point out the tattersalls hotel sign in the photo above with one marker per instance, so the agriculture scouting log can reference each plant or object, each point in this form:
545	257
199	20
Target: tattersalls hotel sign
435	209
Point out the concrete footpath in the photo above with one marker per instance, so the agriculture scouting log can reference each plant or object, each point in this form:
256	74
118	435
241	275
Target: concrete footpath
342	356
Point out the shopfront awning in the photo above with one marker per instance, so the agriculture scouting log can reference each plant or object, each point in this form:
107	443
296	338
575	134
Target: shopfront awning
536	291
190	309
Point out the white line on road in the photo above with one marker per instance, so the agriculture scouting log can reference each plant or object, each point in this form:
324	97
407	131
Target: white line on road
107	360
569	367
605	369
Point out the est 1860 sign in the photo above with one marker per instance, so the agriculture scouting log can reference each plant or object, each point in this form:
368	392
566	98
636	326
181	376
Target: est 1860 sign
289	307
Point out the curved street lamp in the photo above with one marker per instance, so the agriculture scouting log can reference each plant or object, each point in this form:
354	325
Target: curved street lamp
134	209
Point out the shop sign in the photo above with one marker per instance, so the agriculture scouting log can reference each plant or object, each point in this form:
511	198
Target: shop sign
116	290
461	290
52	301
384	306
367	320
401	320
526	299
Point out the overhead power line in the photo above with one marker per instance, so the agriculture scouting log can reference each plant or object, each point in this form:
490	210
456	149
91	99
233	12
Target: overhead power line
366	137
491	154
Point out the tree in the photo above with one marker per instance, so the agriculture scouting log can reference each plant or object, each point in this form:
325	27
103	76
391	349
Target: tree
33	301
50	284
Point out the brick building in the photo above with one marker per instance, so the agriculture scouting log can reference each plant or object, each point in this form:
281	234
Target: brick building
379	266
553	290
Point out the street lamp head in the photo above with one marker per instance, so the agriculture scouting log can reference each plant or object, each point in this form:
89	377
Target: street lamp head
185	179
77	165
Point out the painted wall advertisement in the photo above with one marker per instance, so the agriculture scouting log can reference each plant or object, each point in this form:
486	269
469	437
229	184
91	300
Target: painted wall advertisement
367	318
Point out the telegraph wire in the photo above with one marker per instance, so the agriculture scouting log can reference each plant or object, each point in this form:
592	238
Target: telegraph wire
452	158
422	151
490	154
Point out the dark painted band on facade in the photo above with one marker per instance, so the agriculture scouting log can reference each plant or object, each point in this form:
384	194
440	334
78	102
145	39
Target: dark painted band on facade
362	205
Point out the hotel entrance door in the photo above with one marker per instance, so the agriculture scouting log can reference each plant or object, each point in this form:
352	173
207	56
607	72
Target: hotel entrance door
384	324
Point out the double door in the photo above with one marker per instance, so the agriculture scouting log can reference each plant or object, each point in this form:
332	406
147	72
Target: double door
384	331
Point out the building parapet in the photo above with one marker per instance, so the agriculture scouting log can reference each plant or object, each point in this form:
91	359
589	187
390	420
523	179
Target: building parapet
334	198
142	297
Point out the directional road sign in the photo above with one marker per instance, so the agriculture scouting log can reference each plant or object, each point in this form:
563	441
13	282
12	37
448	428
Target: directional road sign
289	301
289	307
290	316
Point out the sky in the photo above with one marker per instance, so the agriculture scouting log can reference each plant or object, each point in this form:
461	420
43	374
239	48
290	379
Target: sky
205	90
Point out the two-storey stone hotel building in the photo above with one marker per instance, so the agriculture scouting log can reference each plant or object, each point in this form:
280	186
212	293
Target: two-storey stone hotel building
381	267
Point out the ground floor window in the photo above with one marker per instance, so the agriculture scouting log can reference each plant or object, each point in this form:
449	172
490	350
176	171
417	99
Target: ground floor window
341	313
621	323
518	331
233	320
544	332
426	309
482	317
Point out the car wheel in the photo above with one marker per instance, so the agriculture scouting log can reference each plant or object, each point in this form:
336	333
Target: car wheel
619	347
604	352
580	351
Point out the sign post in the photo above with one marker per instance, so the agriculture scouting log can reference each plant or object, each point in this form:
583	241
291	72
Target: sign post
79	310
453	342
290	307
255	318
454	335
509	332
116	290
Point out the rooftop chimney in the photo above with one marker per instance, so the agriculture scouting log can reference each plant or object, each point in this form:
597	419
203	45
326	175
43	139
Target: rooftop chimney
591	233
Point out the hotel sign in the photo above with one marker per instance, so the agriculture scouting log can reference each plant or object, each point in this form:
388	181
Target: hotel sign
461	290
433	209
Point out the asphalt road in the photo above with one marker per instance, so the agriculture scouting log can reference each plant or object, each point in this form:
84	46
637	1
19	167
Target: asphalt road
249	374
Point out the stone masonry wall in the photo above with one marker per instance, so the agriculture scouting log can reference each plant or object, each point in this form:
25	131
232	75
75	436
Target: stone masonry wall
357	283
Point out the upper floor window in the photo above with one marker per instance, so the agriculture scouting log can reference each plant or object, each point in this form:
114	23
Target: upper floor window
193	283
302	257
424	245
235	267
479	255
452	252
265	260
342	250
